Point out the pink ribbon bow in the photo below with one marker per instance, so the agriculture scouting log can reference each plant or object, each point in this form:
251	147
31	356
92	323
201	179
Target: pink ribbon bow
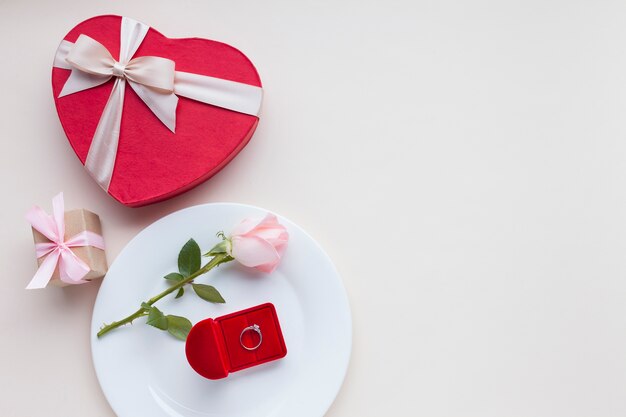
72	269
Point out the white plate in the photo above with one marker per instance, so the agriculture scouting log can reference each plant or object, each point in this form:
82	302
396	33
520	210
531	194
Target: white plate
144	372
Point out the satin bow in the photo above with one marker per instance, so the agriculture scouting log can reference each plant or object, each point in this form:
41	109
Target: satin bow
90	56
72	269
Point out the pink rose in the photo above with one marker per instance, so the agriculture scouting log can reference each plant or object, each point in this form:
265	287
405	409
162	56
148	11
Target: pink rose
259	244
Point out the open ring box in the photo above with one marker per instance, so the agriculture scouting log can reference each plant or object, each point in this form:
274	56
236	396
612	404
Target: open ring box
214	346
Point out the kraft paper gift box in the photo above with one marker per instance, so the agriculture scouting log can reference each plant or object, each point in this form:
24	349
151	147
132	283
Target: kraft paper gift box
77	221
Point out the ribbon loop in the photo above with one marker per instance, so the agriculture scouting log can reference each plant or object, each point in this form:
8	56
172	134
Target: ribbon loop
152	71
90	56
57	252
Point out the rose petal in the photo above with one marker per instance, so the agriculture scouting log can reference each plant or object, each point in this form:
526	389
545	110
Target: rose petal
252	251
275	235
268	222
280	247
245	226
267	268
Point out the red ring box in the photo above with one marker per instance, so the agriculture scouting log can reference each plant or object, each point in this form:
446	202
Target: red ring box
214	348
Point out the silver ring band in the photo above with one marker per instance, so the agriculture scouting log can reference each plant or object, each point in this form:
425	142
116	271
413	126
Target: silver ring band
253	328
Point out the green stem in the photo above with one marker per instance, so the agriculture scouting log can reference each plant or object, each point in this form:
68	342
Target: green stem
143	311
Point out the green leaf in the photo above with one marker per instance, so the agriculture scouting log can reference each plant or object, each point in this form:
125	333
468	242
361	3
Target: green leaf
189	258
178	327
157	319
174	277
180	292
208	293
146	306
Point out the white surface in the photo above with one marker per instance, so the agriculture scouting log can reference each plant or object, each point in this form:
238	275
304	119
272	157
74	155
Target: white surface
144	372
462	163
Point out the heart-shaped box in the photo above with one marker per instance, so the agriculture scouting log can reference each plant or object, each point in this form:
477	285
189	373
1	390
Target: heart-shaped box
216	347
152	163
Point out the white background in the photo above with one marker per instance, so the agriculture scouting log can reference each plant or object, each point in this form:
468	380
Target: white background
462	162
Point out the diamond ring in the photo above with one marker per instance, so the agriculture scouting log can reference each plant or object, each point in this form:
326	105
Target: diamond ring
253	328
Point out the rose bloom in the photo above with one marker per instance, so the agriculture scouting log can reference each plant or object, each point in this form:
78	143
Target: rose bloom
259	244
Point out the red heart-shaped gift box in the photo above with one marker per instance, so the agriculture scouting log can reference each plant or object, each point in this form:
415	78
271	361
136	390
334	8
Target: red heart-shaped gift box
153	163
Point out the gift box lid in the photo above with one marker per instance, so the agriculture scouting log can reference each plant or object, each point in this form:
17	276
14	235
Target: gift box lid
214	346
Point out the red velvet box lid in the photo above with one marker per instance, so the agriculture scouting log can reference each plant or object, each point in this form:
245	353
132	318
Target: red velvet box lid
213	346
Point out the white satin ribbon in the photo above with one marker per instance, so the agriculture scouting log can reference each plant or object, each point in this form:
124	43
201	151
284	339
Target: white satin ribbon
155	81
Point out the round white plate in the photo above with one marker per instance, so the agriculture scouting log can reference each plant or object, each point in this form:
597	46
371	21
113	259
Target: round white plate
144	372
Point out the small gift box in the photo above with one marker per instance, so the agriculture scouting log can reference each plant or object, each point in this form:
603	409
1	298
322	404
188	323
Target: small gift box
69	246
151	117
236	341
